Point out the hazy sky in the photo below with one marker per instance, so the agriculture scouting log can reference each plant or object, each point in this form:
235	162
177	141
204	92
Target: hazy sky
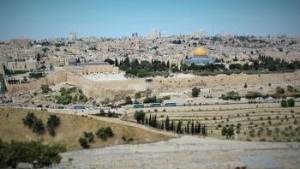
113	18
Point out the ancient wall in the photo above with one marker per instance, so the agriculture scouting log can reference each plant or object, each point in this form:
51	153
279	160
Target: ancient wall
108	89
56	77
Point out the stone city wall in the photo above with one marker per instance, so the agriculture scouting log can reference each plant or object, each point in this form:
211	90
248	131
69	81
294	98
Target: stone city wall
56	77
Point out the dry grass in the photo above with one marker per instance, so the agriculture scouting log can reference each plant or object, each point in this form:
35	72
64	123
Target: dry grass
70	130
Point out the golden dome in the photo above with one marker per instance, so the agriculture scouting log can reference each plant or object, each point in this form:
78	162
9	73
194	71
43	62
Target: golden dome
199	51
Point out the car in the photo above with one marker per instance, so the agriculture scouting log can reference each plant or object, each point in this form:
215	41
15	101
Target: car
39	105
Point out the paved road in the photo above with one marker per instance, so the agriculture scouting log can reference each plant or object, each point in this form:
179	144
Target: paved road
187	152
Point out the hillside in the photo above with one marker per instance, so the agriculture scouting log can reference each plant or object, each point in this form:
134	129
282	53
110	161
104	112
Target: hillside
70	130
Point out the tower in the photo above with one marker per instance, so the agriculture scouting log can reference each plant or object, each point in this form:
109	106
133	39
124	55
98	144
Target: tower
72	36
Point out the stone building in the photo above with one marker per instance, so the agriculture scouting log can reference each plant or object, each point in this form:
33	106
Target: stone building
22	64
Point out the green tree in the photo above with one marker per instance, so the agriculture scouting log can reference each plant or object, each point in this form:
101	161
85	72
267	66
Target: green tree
139	116
33	152
52	123
89	136
290	102
104	133
195	92
279	90
178	129
38	127
167	123
84	143
228	132
128	100
284	103
29	119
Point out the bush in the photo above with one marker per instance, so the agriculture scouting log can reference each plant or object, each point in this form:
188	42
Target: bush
52	123
84	143
45	89
89	136
36	125
195	92
128	100
104	133
126	139
228	132
279	90
150	100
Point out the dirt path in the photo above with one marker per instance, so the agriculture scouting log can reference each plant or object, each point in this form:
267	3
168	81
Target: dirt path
114	120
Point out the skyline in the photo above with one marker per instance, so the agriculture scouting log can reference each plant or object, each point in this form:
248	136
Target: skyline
116	18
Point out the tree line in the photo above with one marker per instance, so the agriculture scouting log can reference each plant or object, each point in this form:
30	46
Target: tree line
189	127
33	152
155	67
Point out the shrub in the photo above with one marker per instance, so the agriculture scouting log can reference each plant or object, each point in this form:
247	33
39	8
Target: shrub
89	136
104	133
195	92
52	123
36	125
279	90
84	143
126	139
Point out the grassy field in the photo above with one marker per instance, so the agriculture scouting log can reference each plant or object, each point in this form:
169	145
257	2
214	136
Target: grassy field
70	130
251	122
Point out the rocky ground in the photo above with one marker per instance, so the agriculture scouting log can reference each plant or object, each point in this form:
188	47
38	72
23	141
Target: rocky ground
187	152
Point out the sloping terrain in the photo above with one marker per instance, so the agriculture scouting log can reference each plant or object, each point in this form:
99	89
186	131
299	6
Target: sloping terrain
70	130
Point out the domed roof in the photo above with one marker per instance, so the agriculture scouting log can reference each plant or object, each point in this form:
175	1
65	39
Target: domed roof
199	51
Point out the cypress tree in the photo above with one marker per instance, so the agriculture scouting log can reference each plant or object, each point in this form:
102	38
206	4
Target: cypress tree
199	128
167	123
178	130
150	120
172	126
204	130
188	127
154	121
192	128
162	125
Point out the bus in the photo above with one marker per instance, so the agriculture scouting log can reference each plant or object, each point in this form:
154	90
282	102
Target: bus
155	105
60	107
138	106
78	107
170	104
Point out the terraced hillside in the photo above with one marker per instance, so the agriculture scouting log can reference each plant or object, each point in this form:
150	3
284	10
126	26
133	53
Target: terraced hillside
252	122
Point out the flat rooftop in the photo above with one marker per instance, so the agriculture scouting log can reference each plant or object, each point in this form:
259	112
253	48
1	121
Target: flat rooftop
106	77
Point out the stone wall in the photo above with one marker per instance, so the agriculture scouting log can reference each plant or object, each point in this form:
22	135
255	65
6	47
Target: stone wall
56	77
